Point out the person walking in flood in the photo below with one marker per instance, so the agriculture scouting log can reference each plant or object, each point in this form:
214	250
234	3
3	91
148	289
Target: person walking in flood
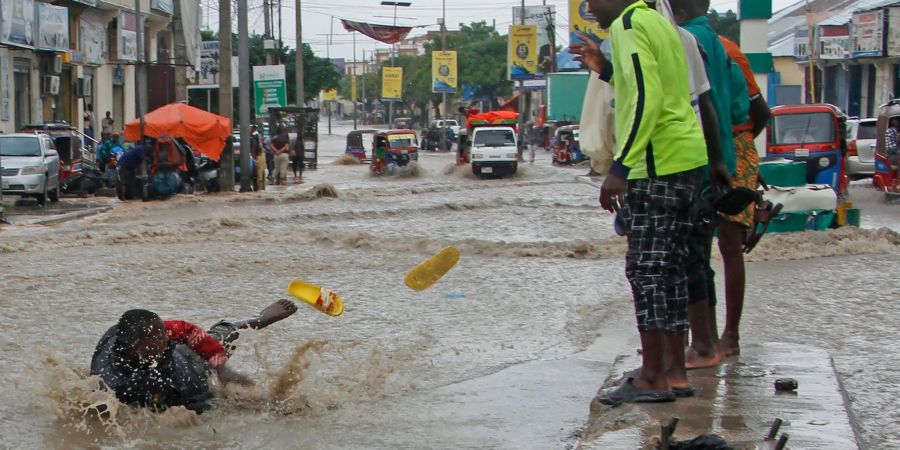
281	147
651	184
259	157
157	364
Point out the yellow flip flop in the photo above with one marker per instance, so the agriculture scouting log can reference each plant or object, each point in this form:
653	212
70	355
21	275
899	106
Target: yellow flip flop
432	269
323	299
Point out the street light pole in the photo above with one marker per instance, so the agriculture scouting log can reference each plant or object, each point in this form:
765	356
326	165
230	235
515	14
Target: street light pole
353	81
521	121
444	145
393	53
244	92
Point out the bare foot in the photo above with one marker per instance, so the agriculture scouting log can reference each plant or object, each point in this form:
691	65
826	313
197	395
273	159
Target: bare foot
271	314
729	346
693	360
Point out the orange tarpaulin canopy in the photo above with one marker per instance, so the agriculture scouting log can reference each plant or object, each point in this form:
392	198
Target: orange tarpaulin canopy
201	129
492	117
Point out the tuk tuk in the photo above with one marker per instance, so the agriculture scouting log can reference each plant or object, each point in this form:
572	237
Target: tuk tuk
78	173
815	134
359	144
392	150
168	163
886	165
568	148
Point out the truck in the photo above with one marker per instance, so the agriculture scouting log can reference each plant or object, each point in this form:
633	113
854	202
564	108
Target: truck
493	149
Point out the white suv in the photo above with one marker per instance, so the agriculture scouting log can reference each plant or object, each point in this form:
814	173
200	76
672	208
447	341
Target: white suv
861	137
29	165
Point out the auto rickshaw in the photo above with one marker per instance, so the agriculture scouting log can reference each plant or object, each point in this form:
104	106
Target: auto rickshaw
401	123
393	150
78	173
885	176
815	134
357	141
568	148
167	164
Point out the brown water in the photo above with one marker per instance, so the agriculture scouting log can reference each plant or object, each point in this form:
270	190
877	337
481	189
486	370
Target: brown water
492	356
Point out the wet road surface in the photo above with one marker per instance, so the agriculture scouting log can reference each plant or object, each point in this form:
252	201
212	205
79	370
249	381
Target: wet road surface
505	352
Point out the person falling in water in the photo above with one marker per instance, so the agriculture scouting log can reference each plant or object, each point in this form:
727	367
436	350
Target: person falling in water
157	364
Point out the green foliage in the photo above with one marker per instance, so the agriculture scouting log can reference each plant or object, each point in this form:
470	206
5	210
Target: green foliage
318	73
726	24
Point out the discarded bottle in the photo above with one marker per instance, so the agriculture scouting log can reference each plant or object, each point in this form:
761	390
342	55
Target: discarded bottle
454	295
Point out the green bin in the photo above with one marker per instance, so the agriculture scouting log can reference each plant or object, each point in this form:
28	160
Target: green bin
785	174
788	222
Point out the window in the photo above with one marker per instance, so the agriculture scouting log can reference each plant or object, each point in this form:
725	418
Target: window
20	146
867	130
807	128
494	138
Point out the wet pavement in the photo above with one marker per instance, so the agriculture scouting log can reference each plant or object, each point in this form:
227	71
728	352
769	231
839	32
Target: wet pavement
506	351
738	402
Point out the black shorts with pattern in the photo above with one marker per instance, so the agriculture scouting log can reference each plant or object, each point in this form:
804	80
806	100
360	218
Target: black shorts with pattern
658	219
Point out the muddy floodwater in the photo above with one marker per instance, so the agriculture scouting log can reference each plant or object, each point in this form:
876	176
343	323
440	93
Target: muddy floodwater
505	352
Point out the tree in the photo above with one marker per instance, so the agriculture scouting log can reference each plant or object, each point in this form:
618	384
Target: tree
319	73
726	24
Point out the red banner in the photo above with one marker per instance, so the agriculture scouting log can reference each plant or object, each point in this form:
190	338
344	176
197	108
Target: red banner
382	33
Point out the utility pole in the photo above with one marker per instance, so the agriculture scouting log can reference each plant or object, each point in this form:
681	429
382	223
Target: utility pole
244	92
226	101
444	145
139	74
364	99
810	52
521	121
267	23
328	56
299	59
353	82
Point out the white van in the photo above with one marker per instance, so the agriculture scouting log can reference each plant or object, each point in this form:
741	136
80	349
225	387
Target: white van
494	151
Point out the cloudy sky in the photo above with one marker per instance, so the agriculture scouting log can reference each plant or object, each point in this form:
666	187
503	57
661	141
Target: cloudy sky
321	17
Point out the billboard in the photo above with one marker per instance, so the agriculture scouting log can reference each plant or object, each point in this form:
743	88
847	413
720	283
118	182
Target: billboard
166	6
834	41
53	28
17	22
269	88
543	18
893	39
801	43
443	72
209	66
867	37
329	95
392	83
127	36
523	52
582	21
92	38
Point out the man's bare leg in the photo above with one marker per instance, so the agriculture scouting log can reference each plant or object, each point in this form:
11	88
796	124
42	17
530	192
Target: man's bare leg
731	237
676	374
703	352
271	314
652	377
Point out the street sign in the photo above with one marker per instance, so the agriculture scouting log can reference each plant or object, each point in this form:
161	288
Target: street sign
269	88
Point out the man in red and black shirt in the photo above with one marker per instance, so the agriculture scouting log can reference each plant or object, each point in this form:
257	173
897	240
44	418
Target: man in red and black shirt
154	363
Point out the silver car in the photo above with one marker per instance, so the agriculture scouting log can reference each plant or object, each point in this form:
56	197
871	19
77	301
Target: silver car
861	134
30	166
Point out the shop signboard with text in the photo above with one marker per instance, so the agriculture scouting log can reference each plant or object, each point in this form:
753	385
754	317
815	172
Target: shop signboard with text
53	28
867	37
269	88
127	36
17	23
92	38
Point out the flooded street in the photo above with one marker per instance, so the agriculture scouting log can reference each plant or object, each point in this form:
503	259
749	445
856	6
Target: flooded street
505	352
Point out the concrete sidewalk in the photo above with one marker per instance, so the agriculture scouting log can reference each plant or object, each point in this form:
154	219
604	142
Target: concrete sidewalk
737	401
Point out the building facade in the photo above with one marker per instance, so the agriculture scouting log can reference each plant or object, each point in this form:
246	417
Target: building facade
56	60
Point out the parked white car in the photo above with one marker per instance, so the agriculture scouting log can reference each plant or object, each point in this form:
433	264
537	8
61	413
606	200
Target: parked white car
29	165
861	137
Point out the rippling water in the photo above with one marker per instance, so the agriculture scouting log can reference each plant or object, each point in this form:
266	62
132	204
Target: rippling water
540	270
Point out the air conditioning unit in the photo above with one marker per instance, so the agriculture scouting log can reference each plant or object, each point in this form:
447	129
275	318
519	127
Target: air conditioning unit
83	87
50	85
56	62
